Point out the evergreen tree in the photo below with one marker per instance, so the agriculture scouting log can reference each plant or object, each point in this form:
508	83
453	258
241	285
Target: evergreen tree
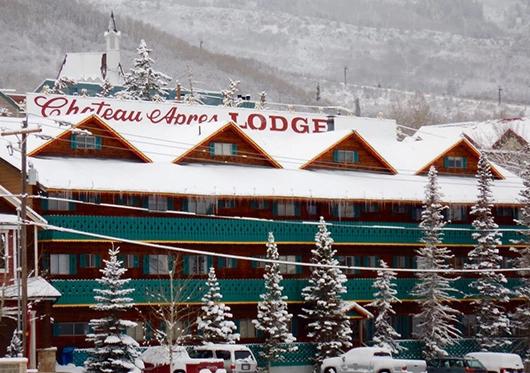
61	84
328	325
114	351
433	290
106	89
521	316
15	348
215	324
385	335
493	324
273	318
142	79
230	97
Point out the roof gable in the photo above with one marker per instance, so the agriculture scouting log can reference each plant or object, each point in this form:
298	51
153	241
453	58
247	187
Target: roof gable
510	140
365	157
467	157
227	144
108	143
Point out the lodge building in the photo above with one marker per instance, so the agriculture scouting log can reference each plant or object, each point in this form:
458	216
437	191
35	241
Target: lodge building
178	198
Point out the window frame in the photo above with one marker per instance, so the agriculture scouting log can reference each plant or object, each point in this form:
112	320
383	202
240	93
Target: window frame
455	162
345	156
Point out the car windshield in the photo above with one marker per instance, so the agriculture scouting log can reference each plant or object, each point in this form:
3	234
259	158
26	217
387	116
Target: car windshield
242	354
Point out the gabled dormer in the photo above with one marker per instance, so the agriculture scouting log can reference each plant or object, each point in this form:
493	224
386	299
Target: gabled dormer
510	140
227	144
90	138
460	159
351	152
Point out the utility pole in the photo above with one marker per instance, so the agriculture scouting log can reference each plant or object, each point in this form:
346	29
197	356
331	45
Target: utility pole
200	44
345	68
23	280
500	90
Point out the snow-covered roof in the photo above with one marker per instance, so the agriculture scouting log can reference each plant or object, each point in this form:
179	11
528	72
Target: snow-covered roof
163	143
15	202
83	67
38	288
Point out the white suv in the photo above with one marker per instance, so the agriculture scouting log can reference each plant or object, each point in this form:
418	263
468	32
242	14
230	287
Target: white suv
237	358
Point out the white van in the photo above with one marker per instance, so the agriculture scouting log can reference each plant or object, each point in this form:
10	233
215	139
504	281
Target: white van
237	358
499	362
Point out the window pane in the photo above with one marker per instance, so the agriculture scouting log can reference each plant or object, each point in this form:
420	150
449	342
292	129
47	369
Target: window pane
198	264
60	264
158	264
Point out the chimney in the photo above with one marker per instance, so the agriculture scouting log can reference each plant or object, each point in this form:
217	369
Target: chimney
331	123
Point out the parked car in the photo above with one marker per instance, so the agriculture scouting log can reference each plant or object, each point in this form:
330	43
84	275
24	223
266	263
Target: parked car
499	362
371	360
452	364
237	358
156	360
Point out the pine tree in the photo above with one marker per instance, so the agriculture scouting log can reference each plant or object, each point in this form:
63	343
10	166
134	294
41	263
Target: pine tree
433	290
61	84
385	335
142	80
328	326
15	348
114	351
273	318
230	98
493	324
521	316
106	89
215	324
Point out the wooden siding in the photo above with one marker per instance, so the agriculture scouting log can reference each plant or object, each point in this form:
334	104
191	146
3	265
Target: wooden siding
111	146
459	151
246	153
367	160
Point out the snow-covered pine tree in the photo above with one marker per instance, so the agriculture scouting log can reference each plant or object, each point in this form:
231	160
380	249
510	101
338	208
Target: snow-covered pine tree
15	348
263	99
61	84
230	98
385	295
143	80
273	317
215	324
106	89
493	324
328	327
437	327
521	317
113	350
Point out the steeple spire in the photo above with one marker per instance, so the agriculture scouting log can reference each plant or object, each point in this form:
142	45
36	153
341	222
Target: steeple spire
112	23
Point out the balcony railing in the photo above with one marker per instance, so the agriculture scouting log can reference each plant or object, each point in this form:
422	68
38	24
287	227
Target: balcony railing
80	292
200	230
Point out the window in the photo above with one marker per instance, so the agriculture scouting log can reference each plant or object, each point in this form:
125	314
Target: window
136	332
197	264
176	329
62	264
58	201
346	210
468	325
287	268
400	209
371	261
197	206
455	162
71	328
349	261
85	142
221	148
456	213
129	260
128	200
459	262
259	205
284	208
416	212
371	207
156	264
89	261
226	204
506	211
157	203
90	197
345	156
226	262
246	328
311	208
401	262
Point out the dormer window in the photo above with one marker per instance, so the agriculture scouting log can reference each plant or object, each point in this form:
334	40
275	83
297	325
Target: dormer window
85	142
223	148
455	162
345	156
